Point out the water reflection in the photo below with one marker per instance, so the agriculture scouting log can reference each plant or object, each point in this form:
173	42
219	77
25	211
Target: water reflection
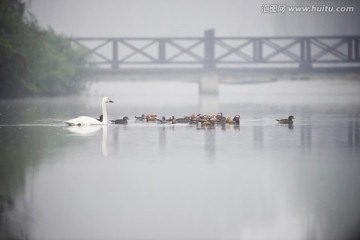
306	141
210	147
13	224
353	133
162	138
183	181
104	144
258	135
6	205
90	130
81	131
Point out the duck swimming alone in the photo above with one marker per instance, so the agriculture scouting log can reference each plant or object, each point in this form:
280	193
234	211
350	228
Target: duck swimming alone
84	120
120	121
289	120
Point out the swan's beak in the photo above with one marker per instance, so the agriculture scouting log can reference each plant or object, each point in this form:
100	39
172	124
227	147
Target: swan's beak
111	101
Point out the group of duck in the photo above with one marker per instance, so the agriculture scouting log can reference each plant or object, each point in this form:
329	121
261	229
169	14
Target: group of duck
199	119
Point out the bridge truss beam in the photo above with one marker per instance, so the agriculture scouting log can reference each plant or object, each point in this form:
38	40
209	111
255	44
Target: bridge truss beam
209	52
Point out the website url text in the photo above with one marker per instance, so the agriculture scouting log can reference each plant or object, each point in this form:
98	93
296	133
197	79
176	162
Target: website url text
281	8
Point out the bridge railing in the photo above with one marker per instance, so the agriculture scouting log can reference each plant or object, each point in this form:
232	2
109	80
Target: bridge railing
210	52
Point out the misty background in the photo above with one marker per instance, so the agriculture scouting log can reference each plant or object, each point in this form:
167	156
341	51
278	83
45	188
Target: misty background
146	180
163	18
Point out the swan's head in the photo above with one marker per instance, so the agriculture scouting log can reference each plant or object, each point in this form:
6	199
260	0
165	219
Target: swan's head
107	100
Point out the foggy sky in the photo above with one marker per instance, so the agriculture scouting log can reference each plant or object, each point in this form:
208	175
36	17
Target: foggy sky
161	18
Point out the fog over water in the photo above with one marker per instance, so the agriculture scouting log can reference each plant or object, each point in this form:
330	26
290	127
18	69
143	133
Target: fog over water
259	180
162	18
150	180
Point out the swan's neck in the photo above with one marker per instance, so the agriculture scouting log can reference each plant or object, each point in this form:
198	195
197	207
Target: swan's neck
104	112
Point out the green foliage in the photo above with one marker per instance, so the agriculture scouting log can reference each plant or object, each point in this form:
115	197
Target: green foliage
35	61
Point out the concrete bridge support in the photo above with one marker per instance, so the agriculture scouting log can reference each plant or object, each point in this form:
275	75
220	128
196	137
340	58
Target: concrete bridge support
209	83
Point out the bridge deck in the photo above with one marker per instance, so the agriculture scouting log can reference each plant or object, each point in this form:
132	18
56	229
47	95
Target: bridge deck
210	52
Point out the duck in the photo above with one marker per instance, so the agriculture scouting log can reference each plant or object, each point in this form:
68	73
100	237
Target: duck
151	117
289	120
229	120
197	117
120	121
236	119
220	119
219	116
140	118
205	123
168	120
173	120
84	120
193	118
162	120
213	119
183	120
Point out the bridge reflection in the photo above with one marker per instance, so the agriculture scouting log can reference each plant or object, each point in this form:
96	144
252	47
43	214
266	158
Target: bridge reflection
353	133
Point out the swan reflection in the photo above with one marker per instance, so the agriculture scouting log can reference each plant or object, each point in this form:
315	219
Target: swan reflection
90	130
86	130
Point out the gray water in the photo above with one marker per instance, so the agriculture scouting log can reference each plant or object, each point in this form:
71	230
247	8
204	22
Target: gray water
260	180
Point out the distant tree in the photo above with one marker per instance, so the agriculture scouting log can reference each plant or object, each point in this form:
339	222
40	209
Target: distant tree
35	61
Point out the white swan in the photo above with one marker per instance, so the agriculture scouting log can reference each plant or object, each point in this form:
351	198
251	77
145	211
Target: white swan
83	120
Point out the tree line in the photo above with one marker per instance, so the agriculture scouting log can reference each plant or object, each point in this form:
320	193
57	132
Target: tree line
35	61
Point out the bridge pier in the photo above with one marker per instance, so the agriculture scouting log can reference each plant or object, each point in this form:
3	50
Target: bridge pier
209	79
209	83
305	64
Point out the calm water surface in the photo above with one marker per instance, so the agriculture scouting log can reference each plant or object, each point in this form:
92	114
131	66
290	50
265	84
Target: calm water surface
149	181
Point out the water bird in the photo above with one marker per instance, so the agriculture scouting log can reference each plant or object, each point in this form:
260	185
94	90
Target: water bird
140	118
162	120
120	121
182	120
219	116
173	120
289	120
195	118
84	120
229	120
151	117
168	120
204	123
213	119
236	119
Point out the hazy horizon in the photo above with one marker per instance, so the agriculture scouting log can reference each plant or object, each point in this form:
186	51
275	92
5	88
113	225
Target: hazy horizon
162	18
